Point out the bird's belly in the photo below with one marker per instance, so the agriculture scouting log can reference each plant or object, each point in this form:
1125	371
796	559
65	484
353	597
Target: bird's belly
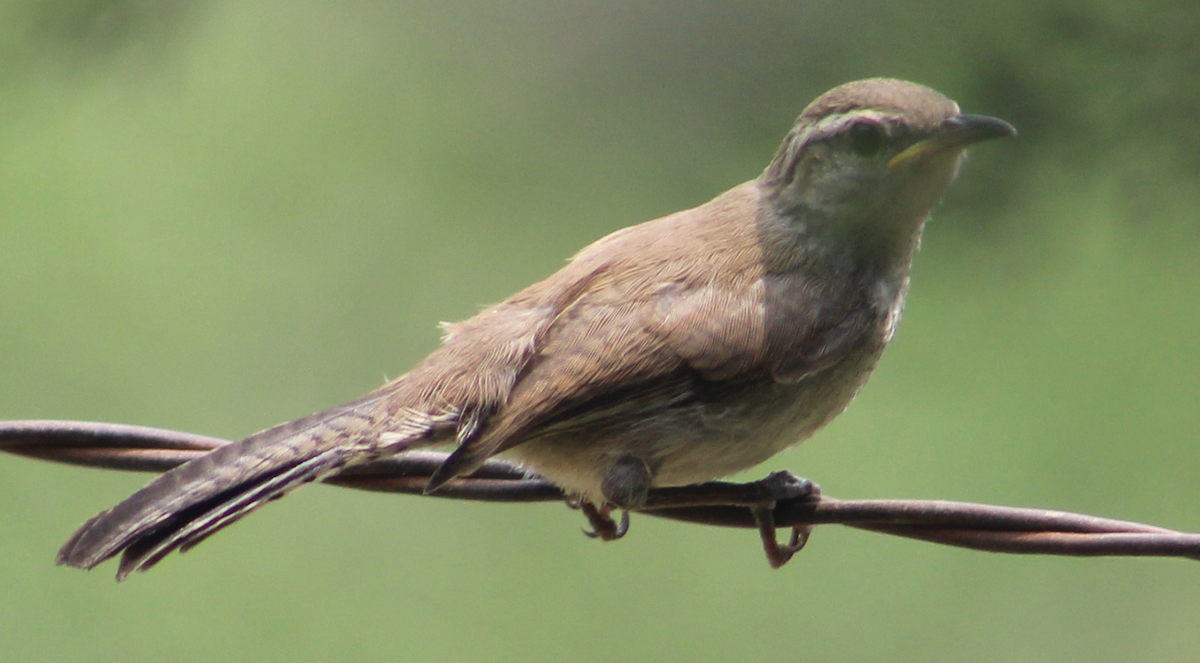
703	441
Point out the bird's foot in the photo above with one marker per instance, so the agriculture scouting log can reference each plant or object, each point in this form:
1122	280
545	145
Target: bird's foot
782	485
603	525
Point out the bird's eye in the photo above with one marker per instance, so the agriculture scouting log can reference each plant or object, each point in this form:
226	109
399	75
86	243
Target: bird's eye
866	138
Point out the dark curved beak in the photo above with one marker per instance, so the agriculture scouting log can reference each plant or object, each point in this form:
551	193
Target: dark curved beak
955	133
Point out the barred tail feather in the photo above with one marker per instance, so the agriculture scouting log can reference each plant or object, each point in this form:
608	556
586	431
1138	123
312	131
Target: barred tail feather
188	504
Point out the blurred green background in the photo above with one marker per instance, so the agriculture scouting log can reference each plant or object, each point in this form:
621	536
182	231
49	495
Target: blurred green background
215	216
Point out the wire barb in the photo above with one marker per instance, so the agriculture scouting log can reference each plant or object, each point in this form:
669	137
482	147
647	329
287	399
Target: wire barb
718	503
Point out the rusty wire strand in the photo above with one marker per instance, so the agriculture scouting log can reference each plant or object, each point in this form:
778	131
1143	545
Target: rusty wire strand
965	525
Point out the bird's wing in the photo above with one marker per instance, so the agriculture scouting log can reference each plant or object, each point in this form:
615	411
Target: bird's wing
616	356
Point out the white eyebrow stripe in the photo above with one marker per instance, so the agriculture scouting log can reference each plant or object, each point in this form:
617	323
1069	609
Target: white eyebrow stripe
835	123
831	125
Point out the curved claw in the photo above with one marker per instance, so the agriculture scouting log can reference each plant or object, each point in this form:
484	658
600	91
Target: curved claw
777	553
603	526
622	527
784	552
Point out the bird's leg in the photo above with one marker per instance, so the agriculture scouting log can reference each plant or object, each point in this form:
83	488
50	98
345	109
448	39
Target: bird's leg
782	485
625	487
759	496
627	483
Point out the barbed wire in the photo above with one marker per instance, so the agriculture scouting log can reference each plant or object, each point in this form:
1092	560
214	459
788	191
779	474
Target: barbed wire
718	503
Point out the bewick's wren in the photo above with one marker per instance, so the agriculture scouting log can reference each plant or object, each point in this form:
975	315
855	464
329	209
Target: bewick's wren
668	353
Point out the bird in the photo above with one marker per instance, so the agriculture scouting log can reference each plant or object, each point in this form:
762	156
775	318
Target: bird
668	353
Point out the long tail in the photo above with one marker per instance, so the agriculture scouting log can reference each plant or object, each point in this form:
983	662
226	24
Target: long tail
186	505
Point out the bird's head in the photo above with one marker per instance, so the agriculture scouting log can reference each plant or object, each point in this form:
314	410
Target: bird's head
871	158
